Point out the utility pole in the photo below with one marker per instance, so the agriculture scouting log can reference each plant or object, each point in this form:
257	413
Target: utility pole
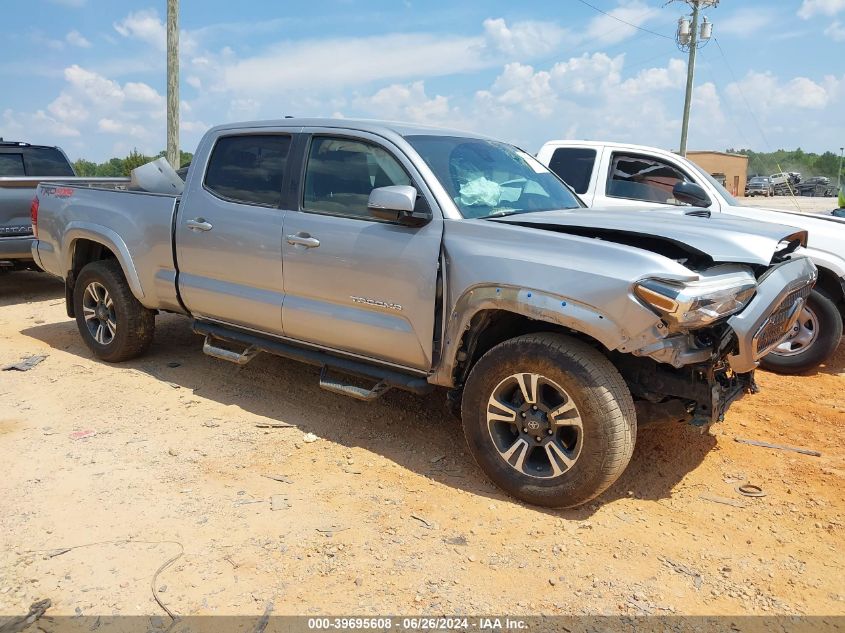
173	83
689	38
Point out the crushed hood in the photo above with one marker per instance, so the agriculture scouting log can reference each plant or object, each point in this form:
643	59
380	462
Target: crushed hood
671	232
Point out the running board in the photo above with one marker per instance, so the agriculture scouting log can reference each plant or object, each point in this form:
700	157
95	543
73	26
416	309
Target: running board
239	358
390	377
345	389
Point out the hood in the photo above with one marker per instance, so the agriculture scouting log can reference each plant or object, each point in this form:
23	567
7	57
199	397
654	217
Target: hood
683	233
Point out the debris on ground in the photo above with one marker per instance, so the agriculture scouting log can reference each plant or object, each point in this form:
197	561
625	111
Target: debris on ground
780	447
36	611
723	500
308	438
25	364
275	425
280	478
750	490
279	502
80	435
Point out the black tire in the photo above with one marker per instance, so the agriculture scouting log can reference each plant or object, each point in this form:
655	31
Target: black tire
828	320
134	324
602	401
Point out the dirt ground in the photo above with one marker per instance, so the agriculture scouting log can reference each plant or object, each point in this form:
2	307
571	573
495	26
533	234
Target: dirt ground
804	204
378	508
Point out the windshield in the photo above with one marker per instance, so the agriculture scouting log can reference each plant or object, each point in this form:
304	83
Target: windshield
488	179
733	202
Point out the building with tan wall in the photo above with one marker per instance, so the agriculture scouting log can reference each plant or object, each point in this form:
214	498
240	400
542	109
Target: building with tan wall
729	169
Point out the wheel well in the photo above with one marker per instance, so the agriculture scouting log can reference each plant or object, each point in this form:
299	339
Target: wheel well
488	328
84	252
830	285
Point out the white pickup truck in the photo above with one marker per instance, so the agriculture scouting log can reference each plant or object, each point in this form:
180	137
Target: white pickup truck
622	176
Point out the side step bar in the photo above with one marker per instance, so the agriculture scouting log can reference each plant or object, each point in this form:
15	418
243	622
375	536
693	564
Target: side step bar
344	389
239	358
385	377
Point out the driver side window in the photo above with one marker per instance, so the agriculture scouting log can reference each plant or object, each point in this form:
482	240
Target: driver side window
342	172
640	178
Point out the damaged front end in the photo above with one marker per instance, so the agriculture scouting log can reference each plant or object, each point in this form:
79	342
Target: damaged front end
694	375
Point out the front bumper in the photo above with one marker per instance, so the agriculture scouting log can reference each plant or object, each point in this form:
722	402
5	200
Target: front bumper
768	319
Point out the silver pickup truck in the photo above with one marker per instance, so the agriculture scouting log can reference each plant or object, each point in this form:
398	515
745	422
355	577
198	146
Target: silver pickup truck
416	258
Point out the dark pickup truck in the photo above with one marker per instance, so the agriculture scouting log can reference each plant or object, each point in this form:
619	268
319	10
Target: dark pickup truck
22	167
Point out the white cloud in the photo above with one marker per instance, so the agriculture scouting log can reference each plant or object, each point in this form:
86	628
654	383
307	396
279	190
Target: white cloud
745	21
35	127
408	102
75	38
836	31
89	104
243	109
522	39
766	93
328	65
810	8
110	126
145	26
604	29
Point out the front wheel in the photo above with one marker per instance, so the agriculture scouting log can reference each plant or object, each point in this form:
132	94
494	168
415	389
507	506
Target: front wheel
814	338
548	419
112	322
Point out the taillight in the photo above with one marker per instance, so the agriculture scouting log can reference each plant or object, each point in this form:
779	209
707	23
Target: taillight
33	215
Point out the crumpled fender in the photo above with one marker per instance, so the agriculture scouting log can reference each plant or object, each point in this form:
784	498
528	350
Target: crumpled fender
535	304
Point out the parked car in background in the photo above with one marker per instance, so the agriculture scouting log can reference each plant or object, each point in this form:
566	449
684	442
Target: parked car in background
419	257
759	186
817	187
622	176
22	167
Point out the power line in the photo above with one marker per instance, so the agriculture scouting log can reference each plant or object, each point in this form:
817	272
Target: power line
618	19
738	85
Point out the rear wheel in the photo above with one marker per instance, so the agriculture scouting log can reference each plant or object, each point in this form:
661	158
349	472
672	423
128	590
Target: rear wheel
548	419
814	338
112	322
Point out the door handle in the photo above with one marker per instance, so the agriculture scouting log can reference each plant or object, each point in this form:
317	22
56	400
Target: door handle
199	224
303	239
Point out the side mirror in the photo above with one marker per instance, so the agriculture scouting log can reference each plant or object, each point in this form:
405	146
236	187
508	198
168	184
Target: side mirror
397	203
691	193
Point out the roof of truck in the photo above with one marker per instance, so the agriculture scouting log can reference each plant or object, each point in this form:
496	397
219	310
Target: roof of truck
373	126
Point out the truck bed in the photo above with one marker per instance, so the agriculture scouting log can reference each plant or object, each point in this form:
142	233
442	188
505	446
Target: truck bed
136	225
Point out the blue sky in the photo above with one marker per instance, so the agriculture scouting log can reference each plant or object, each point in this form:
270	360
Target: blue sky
89	75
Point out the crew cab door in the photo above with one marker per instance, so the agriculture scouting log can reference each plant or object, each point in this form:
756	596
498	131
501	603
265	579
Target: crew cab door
229	231
352	282
577	166
631	179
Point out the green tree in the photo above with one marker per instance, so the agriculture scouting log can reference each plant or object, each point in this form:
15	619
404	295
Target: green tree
84	167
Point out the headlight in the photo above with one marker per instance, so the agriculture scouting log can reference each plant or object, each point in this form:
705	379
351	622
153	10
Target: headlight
695	304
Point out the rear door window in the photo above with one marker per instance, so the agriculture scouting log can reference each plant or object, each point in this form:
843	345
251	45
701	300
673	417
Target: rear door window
249	168
11	165
575	166
643	178
46	161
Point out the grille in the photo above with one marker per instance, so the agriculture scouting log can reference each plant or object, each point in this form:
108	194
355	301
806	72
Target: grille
777	325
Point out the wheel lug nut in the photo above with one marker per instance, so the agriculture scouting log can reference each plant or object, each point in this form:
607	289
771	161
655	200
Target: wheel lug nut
538	438
524	414
534	407
549	432
525	430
